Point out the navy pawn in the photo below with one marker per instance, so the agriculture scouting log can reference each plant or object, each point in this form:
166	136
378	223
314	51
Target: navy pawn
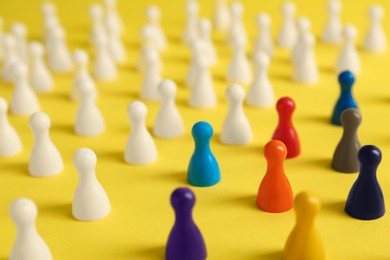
203	169
346	100
365	199
185	241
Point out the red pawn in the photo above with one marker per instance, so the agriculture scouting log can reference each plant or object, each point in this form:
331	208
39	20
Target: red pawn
285	131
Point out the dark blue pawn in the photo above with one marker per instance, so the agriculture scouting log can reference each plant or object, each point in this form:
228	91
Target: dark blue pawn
365	200
346	100
185	241
203	169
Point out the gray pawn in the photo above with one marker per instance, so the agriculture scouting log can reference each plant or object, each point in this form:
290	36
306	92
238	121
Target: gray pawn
345	157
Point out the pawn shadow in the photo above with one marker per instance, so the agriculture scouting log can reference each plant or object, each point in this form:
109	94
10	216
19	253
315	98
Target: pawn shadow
115	156
248	201
60	210
336	208
62	128
156	252
271	255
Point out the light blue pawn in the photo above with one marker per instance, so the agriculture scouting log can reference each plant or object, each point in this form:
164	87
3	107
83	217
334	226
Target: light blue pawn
203	170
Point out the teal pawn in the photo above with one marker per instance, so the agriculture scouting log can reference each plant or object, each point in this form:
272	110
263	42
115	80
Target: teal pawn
203	170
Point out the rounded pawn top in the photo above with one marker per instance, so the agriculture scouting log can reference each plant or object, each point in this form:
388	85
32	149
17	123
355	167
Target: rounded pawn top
86	87
8	40
3	106
95	11
182	198
48	8
308	39
370	155
109	3
261	58
80	57
19	69
288	8
19	29
36	49
334	5
153	12
351	117
376	11
205	25
23	211
303	23
192	7
285	105
151	55
346	79
350	31
307	203
167	88
39	121
236	8
137	110
202	130
235	93
263	19
275	150
146	32
84	159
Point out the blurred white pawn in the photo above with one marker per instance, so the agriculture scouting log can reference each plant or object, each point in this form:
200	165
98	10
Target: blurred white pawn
19	31
98	27
59	57
140	147
9	139
288	34
304	25
45	159
261	93
90	200
204	35
112	14
191	27
375	40
1	37
348	58
148	44
151	77
104	67
237	30
115	44
197	51
305	67
236	129
89	119
264	38
81	60
10	56
239	70
153	15
49	12
168	123
333	31
221	17
24	100
41	79
28	244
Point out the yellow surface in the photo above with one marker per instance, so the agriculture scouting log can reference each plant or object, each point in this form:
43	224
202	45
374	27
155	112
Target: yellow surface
232	225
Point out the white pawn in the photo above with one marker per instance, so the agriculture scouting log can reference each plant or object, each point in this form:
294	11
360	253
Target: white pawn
98	26
239	70
305	68
204	36
148	44
333	30
59	58
45	159
19	31
264	39
304	25
140	147
236	129
260	92
153	15
349	58
90	200
49	12
197	51
41	79
81	60
151	77
237	30
28	245
191	27
24	100
169	123
10	56
112	14
89	119
115	44
9	139
104	67
288	34
221	15
1	37
375	40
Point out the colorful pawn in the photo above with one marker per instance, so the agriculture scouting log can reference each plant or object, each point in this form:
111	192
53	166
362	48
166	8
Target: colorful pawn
275	194
185	240
305	241
203	169
346	100
365	199
285	130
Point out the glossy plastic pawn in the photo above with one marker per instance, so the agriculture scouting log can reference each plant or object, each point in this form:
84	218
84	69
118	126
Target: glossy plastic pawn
10	143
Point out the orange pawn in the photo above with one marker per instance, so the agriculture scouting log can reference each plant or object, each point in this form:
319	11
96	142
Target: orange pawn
304	242
275	194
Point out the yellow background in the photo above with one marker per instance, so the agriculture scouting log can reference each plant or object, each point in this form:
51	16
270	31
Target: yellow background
233	227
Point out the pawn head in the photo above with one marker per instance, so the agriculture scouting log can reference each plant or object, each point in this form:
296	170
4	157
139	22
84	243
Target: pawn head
36	49
288	8
153	12
303	23
48	8
95	11
376	11
8	41
261	59
80	57
86	87
18	29
167	88
205	25
23	211
307	204
3	106
84	159
19	70
275	150
285	105
182	198
370	155
334	5
350	31
39	121
137	110
346	79
235	93
236	8
263	19
308	39
146	32
109	3
351	117
202	130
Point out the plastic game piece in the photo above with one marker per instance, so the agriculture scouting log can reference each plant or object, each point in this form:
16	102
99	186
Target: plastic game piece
333	27
81	60
90	200
288	33
168	123
203	169
153	15
9	139
140	147
112	14
197	53
236	129
375	40
346	99
104	67
221	17
239	70
24	100
365	199
59	57
45	159
152	76
264	41
237	31
305	65
275	194
349	57
304	242
98	27
1	35
148	43
304	26
285	130
205	28
115	44
49	12
185	240
191	27
345	157
41	79
10	56
19	31
28	245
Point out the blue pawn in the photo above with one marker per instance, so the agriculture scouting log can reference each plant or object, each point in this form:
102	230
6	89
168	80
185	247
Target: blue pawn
203	170
346	100
365	200
185	241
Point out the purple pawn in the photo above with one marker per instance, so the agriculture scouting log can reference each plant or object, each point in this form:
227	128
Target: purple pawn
185	241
